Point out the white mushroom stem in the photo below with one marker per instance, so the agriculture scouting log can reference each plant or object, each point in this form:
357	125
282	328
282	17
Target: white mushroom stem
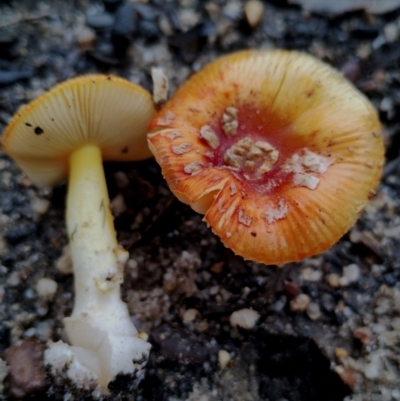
100	330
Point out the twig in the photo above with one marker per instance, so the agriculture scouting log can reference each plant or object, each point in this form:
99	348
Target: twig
24	18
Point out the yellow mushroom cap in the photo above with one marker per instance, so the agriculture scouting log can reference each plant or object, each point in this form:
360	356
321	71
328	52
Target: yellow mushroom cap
107	111
276	148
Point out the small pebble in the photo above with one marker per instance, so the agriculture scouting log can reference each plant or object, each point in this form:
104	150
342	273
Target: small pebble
386	104
300	303
380	76
214	290
348	377
245	318
379	328
190	315
64	262
351	274
131	268
355	236
202	326
224	358
25	182
121	179
165	26
188	18
347	311
85	38
291	289
170	281
341	353
351	70
14	279
217	267
389	338
29	293
310	274
46	288
371	371
333	280
118	205
100	21
42	310
233	9
40	206
246	290
313	311
253	10
30	332
363	334
44	331
391	31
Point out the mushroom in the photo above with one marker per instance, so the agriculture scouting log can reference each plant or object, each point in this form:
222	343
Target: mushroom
278	151
68	131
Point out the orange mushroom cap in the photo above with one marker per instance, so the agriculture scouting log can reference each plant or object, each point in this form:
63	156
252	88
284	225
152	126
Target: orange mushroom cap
276	148
109	112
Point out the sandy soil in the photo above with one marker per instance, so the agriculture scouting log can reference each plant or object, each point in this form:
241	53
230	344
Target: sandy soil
181	284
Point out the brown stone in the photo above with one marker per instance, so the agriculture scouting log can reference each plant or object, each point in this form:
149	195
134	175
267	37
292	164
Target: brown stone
363	334
27	372
349	377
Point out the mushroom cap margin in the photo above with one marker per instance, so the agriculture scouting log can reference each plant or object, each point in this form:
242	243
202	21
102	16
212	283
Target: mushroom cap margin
108	111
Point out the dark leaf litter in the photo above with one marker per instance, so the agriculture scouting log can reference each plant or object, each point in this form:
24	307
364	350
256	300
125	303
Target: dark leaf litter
328	327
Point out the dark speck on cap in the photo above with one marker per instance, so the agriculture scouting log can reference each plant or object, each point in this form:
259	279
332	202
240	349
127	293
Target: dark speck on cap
38	131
